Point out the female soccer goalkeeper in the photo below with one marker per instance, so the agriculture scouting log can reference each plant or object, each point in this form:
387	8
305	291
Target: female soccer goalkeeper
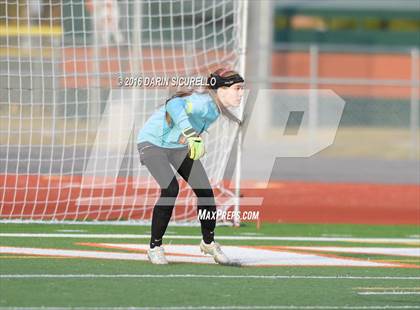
172	137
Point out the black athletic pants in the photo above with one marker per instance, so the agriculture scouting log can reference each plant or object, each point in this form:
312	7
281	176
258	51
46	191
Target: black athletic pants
158	161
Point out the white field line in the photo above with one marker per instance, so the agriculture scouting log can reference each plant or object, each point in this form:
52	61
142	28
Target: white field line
389	293
197	237
382	288
284	307
415	252
199	276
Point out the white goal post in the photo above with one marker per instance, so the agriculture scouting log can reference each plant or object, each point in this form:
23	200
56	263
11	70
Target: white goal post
68	128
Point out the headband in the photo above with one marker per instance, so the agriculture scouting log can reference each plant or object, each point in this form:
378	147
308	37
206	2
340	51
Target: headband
215	81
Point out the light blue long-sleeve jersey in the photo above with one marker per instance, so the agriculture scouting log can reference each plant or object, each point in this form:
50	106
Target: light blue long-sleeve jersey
198	111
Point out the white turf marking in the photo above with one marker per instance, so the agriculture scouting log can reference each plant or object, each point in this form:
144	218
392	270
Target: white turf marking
212	307
197	237
382	251
246	256
255	256
389	288
198	276
388	293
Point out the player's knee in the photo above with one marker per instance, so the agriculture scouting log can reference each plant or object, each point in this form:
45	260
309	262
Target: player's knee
204	192
171	191
205	197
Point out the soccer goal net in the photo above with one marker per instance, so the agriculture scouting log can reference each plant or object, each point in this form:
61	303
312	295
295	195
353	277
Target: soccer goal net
74	91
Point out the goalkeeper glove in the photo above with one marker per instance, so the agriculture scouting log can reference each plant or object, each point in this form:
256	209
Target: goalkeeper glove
195	144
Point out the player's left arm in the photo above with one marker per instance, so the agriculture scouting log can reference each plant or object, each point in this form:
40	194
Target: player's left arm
178	109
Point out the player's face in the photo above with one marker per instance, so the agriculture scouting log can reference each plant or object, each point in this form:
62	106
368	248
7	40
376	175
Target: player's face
231	96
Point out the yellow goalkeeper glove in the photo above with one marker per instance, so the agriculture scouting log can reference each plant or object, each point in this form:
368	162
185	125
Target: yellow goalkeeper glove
195	144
